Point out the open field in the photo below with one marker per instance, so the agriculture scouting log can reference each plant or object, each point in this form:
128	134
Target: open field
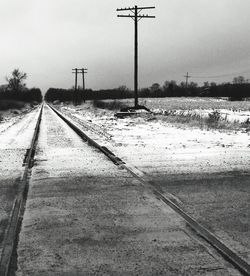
197	103
193	112
182	103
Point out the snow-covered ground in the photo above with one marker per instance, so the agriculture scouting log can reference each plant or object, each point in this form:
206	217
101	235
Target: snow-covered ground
181	150
231	111
12	116
224	114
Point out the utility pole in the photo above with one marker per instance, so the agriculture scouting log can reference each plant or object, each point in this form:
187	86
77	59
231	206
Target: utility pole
136	57
77	71
84	71
187	77
136	16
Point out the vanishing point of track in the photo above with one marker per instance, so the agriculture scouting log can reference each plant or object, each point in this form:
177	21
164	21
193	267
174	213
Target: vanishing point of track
11	236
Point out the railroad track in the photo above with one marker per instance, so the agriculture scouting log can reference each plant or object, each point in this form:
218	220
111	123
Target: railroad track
19	205
14	224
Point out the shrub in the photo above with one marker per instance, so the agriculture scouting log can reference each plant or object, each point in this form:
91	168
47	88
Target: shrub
213	118
235	98
8	104
111	105
27	95
246	124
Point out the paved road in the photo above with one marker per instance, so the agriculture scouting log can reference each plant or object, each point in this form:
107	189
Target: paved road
14	142
84	216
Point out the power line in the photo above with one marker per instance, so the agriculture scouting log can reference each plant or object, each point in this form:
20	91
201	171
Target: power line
221	76
136	16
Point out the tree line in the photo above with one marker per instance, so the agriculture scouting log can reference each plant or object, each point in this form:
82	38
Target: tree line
238	89
16	89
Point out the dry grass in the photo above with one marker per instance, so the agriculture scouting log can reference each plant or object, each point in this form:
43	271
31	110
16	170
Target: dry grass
213	121
166	110
110	104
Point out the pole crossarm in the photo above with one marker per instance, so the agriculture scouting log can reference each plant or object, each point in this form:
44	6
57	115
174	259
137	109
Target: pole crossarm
146	16
187	76
125	9
145	8
136	13
133	16
128	15
133	8
79	71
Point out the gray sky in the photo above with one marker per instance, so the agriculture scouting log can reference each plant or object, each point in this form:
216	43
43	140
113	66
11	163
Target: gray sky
47	38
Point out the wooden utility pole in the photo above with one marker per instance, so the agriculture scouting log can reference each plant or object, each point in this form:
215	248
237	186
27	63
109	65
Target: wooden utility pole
136	16
136	57
187	77
77	71
84	71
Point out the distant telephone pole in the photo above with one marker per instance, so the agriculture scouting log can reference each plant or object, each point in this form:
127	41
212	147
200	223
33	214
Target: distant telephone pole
77	71
187	77
136	16
84	71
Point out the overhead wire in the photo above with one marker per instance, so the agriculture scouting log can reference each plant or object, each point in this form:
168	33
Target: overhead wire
219	76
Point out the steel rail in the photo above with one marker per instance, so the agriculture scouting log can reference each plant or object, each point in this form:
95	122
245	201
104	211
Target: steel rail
86	138
227	253
15	219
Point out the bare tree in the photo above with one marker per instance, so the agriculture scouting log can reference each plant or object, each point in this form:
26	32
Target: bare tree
183	84
239	80
193	84
16	81
206	84
169	85
155	87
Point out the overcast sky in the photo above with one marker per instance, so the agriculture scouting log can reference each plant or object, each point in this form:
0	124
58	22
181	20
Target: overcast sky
47	38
